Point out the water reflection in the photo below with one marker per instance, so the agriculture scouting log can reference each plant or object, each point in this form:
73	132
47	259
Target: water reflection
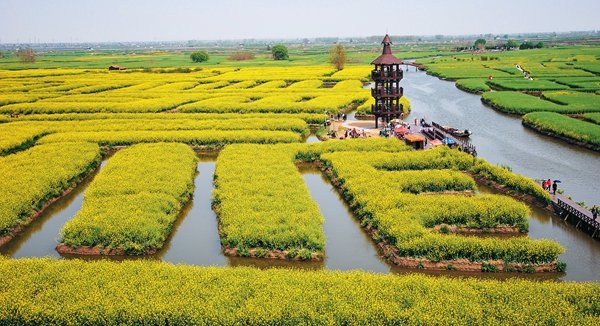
195	237
347	246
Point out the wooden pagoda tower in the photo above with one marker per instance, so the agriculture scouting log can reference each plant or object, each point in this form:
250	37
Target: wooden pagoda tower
387	91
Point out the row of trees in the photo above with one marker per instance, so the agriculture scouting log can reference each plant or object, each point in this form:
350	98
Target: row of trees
510	44
279	52
337	55
25	55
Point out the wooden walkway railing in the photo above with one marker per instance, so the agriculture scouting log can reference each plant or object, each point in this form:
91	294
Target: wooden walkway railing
464	145
567	208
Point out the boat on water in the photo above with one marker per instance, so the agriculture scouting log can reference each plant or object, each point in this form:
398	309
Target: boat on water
457	132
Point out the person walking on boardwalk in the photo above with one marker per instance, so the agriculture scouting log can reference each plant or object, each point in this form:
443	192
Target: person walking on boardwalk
595	212
554	187
548	184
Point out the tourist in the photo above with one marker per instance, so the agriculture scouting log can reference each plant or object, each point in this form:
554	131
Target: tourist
346	134
548	184
554	187
595	212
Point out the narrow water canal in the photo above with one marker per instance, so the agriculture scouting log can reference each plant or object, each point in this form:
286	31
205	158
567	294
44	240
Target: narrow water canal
347	246
312	139
195	236
41	237
582	253
502	139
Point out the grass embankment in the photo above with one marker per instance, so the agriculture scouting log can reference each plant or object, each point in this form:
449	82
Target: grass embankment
579	132
473	85
592	117
520	103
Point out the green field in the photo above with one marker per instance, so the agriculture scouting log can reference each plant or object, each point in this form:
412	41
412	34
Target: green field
575	130
563	80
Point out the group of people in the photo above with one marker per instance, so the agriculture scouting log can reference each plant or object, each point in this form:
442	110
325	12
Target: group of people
332	118
550	186
355	133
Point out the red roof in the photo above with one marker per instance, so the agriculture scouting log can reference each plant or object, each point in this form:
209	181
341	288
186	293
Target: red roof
386	57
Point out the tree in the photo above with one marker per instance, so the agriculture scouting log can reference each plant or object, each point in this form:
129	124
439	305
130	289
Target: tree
539	45
280	52
199	56
337	56
26	55
511	44
526	45
479	44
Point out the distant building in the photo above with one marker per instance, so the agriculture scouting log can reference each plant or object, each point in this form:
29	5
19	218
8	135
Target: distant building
115	67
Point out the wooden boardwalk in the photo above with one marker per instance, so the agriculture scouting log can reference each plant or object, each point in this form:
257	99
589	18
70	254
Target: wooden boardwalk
436	132
579	216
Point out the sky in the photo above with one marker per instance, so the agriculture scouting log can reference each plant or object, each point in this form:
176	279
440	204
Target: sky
39	21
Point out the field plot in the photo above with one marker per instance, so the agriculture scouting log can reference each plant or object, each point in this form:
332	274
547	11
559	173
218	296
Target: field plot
422	209
240	90
264	207
413	200
113	130
50	170
132	204
277	219
142	292
580	132
561	80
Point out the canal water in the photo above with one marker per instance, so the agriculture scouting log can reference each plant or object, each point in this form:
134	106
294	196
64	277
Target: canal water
502	139
312	139
582	253
347	246
40	238
195	238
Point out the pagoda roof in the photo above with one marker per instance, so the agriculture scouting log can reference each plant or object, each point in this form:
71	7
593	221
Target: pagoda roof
386	57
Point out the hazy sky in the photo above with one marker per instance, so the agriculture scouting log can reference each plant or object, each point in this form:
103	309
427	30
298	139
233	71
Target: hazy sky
156	20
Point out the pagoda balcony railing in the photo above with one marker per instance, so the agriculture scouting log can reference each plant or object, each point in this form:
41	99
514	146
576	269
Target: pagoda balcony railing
384	108
387	92
381	74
